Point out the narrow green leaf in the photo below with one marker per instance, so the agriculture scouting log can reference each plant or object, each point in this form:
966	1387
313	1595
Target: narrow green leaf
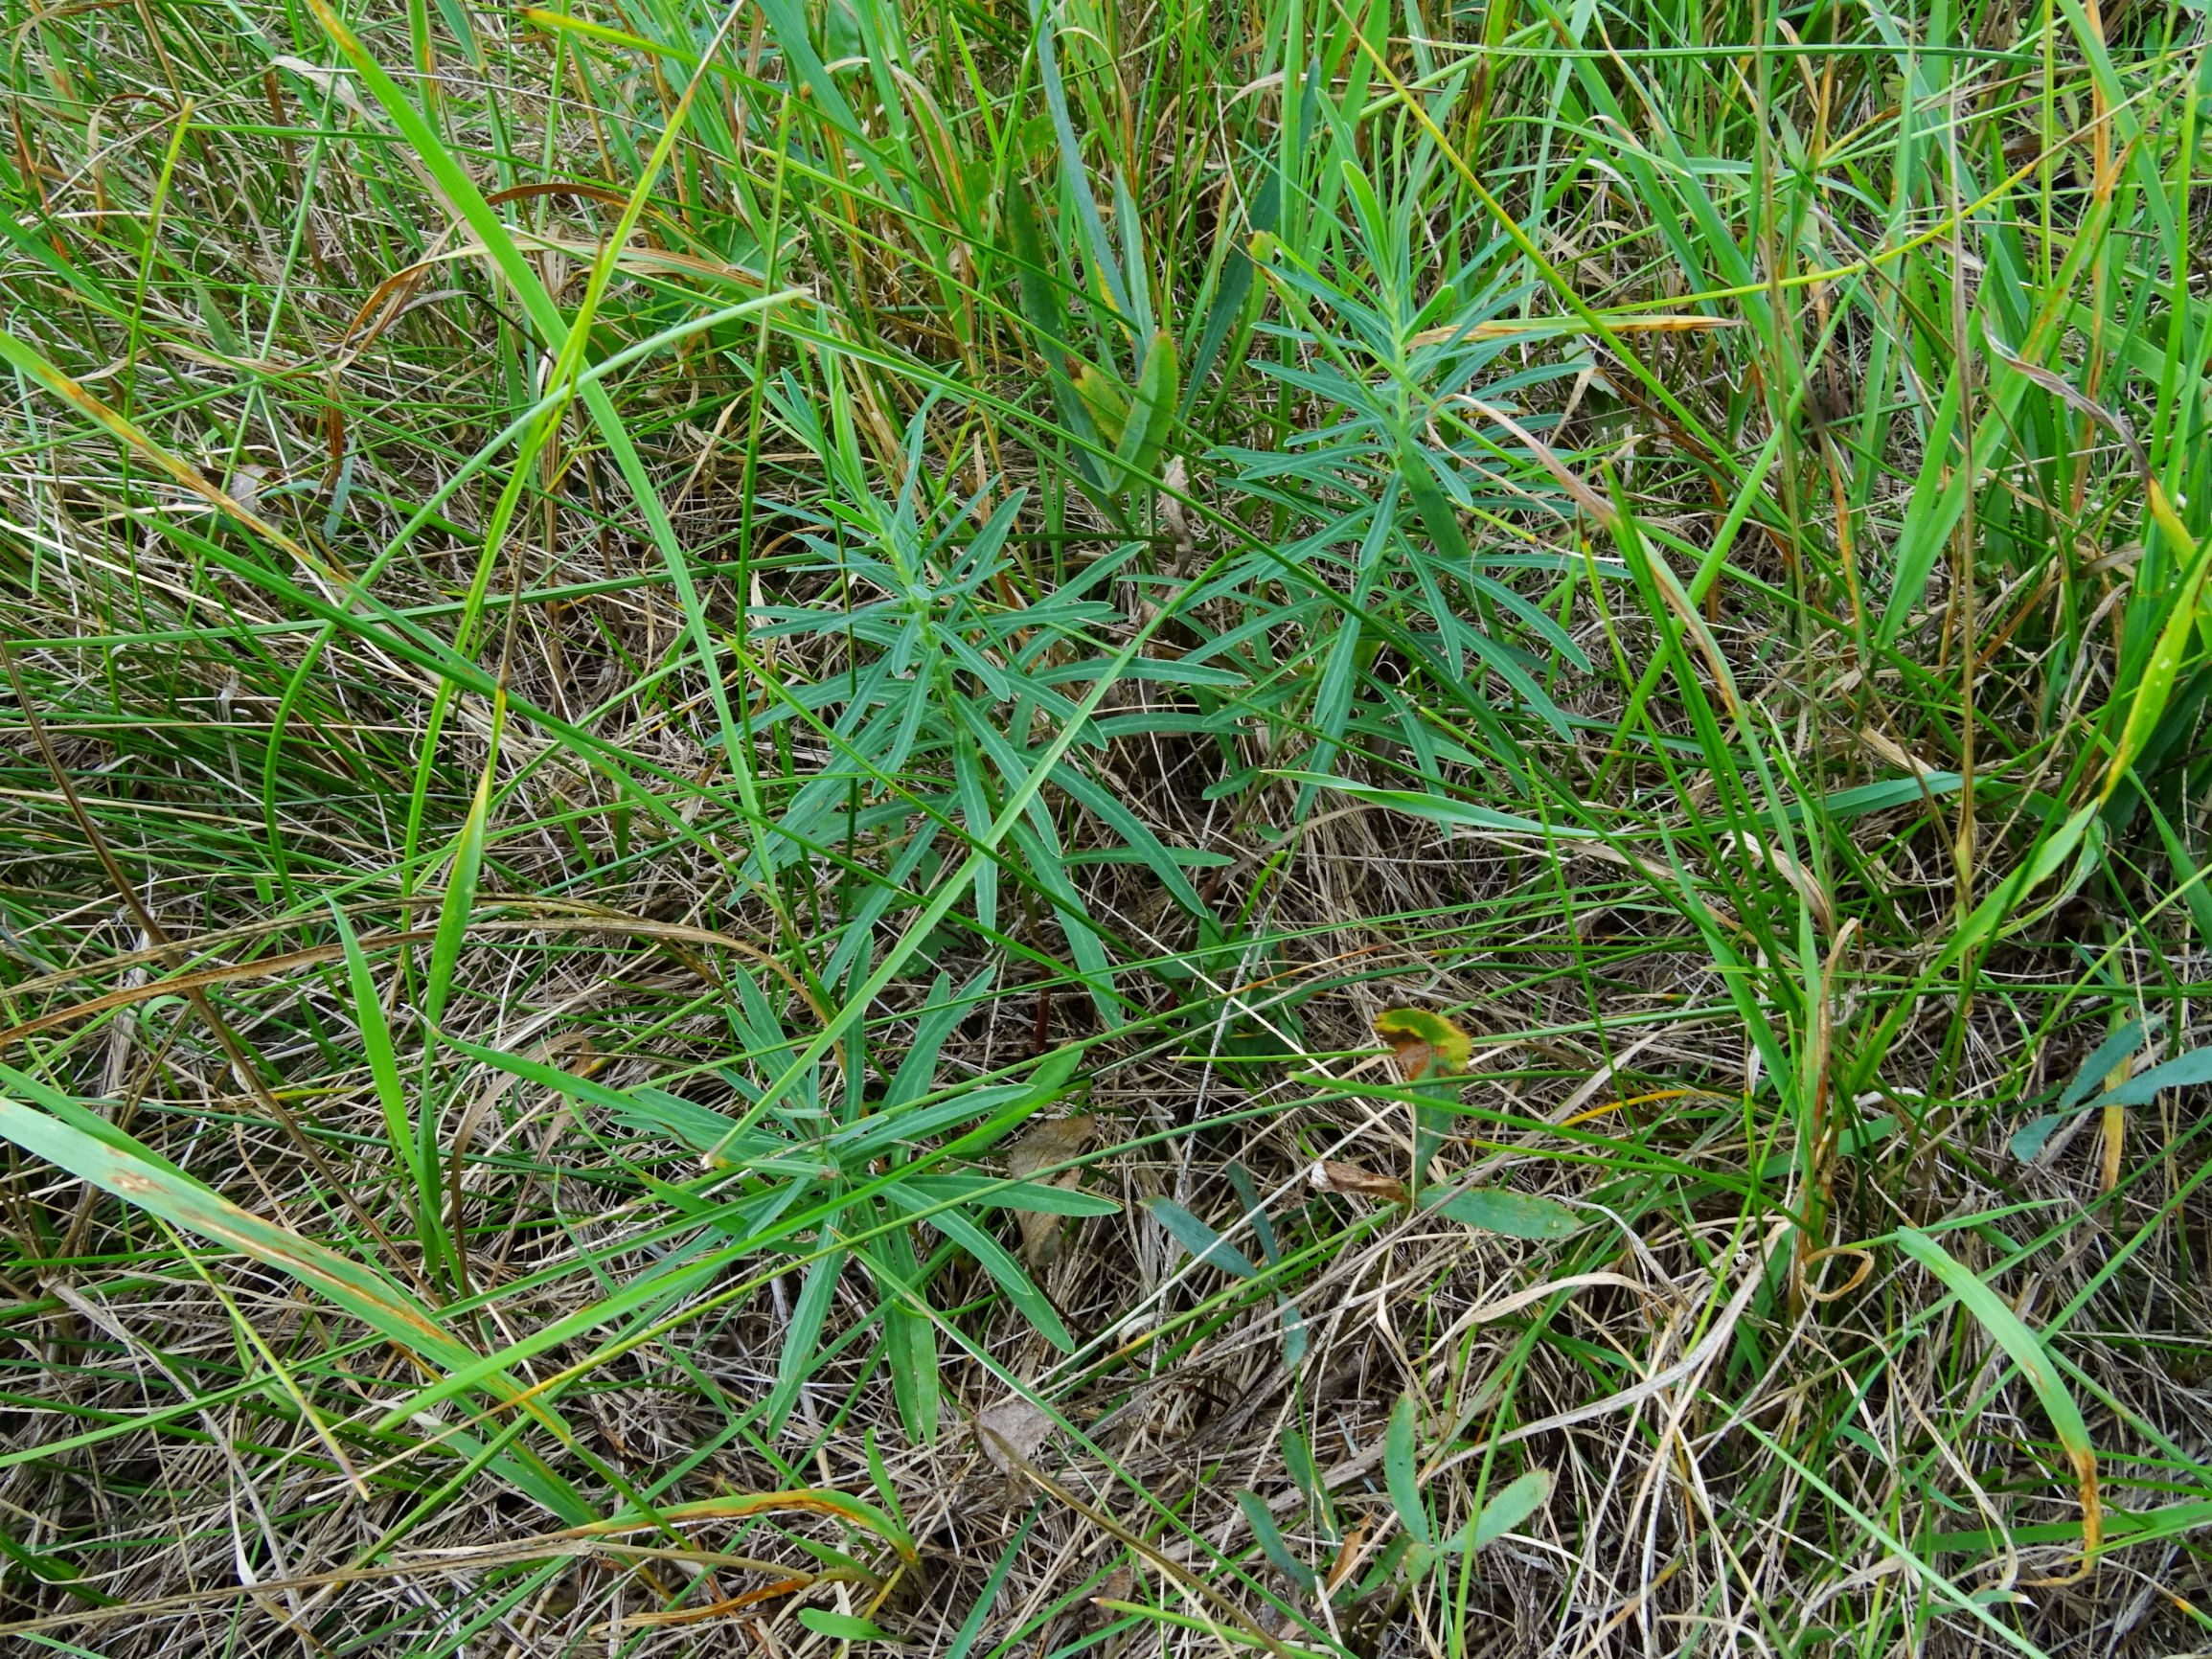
985	1600
1401	1474
1073	174
1272	1544
2099	1066
2002	905
383	1062
1236	287
358	1289
2026	1349
909	1339
910	1346
995	1191
993	1258
1439	809
802	1337
2031	1137
1508	1506
1435	508
1247	1193
2196	894
1883	797
354	1286
460	901
2147	702
86	1121
1200	1239
1151	415
2186	1071
1494	1209
49	1569
844	1626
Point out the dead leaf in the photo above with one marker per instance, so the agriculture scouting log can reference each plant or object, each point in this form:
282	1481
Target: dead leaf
1350	1179
1053	1141
1010	1433
1041	1235
1790	871
1888	749
1045	1144
1174	516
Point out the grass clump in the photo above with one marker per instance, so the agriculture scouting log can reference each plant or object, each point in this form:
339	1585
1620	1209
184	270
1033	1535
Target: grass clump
1319	828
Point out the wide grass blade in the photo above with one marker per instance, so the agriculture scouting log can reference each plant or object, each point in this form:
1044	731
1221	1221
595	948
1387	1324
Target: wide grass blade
2026	1349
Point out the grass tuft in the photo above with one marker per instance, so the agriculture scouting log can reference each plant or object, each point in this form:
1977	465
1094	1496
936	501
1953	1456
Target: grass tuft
1078	829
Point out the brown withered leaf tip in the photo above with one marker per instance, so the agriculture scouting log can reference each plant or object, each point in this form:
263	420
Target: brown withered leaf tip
1351	1180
